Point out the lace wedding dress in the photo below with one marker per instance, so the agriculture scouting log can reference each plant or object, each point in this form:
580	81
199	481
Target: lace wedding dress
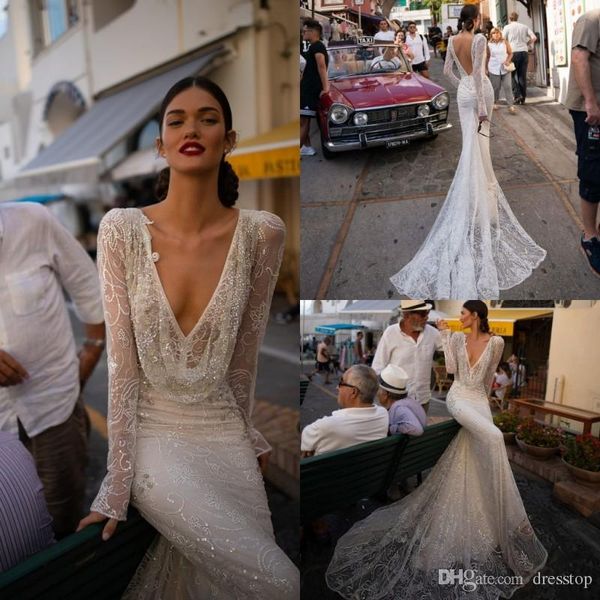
467	514
181	444
476	247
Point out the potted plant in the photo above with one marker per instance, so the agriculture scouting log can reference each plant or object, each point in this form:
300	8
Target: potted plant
507	422
582	457
538	440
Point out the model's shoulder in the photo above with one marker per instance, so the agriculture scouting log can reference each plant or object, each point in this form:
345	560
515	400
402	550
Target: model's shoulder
27	210
120	217
266	225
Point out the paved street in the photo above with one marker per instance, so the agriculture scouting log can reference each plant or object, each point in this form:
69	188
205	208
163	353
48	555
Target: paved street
276	415
364	214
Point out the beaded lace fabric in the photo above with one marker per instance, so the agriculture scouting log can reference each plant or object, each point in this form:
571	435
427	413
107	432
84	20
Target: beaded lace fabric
467	514
182	447
476	247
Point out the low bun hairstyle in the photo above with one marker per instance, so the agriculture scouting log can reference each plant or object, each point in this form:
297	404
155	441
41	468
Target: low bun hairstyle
479	307
468	14
228	181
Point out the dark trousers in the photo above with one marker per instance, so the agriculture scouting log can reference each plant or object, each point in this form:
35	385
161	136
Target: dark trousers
519	75
60	455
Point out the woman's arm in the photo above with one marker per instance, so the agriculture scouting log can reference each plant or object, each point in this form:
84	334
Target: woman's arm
509	53
448	72
123	378
241	375
479	49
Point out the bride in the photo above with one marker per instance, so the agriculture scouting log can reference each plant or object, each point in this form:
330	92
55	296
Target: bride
476	246
187	285
467	514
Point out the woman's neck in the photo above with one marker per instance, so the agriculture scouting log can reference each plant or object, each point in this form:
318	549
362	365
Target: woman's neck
476	334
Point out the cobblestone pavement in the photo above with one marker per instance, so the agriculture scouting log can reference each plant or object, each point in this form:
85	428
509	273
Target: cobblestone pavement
364	214
572	541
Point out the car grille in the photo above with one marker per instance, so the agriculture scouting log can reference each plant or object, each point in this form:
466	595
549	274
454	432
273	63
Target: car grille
383	130
386	115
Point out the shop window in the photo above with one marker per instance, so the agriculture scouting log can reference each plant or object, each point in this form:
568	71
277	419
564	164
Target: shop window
51	19
106	11
148	134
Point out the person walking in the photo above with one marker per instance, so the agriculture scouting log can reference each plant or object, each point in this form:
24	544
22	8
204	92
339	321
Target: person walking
500	67
520	37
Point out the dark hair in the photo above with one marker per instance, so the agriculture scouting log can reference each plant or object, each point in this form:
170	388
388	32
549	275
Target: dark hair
313	24
505	367
228	181
468	14
479	307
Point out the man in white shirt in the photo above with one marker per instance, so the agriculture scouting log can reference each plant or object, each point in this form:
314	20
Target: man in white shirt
385	34
411	344
420	49
519	37
41	374
357	421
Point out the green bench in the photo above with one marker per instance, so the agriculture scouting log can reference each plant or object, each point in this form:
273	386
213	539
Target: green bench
81	565
304	383
338	479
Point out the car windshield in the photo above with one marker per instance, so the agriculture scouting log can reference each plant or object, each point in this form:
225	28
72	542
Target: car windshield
366	60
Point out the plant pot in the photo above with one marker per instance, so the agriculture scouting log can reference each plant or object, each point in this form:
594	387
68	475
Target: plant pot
509	437
590	478
537	451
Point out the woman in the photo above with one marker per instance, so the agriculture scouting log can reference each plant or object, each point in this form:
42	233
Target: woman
400	40
468	513
499	58
476	246
502	381
187	286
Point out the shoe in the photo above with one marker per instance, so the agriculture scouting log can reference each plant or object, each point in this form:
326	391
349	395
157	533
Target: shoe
591	249
512	110
307	151
496	106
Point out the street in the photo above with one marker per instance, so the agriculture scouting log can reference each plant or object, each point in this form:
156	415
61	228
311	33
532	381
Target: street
365	213
276	416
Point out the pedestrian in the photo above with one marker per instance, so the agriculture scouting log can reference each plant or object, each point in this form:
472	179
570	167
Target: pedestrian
401	42
323	360
359	355
385	33
313	83
41	373
583	102
418	46
411	344
499	68
520	37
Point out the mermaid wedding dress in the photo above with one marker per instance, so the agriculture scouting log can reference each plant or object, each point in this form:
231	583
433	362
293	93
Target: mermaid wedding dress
467	514
476	247
181	443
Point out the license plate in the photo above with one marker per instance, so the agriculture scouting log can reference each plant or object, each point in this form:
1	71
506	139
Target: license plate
397	143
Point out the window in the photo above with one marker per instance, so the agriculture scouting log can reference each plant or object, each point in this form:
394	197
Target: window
3	17
148	135
51	19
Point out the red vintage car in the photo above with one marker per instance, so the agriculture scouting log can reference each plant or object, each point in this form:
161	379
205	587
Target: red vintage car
375	99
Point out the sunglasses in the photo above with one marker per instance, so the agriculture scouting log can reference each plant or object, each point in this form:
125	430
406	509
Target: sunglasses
342	383
491	135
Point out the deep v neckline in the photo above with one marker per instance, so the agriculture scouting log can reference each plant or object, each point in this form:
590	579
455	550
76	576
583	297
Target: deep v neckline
471	367
147	221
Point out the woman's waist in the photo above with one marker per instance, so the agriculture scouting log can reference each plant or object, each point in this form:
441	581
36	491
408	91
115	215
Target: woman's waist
473	390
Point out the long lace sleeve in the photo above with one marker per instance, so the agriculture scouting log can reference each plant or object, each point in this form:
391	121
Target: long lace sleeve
448	64
123	381
495	356
449	350
242	369
479	60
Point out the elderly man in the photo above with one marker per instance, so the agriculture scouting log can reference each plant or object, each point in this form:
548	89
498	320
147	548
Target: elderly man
405	413
411	344
41	374
519	37
358	419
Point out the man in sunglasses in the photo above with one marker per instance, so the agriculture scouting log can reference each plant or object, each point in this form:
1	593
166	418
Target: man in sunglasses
411	344
358	420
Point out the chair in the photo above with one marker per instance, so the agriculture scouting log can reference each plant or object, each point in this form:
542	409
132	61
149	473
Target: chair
442	380
499	402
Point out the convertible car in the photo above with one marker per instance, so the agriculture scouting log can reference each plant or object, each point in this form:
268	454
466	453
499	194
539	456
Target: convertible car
375	99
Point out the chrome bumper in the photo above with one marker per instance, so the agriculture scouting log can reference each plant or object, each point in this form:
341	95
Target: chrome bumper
365	142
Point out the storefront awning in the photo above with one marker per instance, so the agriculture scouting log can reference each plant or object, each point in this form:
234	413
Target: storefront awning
332	329
502	320
109	121
270	155
139	164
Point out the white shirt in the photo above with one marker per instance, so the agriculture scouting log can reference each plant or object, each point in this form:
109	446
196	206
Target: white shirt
498	56
385	36
419	48
501	380
416	358
518	36
345	427
38	258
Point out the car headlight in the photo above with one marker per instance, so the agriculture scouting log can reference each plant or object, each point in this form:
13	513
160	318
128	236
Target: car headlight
339	114
423	110
361	118
441	101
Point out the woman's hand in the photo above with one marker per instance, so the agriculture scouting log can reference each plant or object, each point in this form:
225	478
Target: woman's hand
263	461
96	517
442	325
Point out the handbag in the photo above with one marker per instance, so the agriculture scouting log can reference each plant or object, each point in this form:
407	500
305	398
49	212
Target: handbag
510	67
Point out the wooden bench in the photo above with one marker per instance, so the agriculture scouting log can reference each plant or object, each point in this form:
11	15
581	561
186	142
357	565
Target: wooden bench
588	418
81	565
338	479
